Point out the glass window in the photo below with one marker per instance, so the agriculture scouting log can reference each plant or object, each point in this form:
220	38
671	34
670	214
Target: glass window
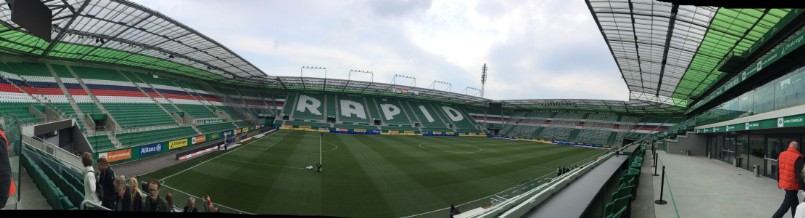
756	151
773	149
742	150
786	91
764	99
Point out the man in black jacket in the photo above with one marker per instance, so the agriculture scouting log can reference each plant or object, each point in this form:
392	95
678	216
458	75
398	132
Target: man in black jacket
107	180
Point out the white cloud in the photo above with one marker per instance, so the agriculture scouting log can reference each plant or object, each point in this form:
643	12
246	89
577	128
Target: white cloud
535	49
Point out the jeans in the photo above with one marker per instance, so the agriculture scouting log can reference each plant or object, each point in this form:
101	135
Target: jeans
790	201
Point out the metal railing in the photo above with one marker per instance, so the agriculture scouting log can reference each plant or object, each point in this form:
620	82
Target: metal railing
65	157
521	204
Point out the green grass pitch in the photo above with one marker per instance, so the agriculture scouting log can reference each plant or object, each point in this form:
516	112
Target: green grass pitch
364	175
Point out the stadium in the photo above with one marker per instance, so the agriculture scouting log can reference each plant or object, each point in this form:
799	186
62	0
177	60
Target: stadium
715	95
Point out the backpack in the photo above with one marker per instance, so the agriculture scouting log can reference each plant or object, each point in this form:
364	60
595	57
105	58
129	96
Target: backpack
99	190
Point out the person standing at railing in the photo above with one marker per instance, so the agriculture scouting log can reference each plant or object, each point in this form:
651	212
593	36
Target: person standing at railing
790	178
107	179
6	179
90	186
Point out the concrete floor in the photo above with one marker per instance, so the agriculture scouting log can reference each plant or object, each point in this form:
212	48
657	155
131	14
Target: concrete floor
643	204
702	187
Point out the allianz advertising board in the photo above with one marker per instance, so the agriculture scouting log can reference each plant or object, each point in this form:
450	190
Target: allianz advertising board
149	150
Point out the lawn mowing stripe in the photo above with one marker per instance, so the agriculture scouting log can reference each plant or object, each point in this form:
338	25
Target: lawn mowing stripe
490	179
347	189
366	175
438	181
296	192
247	143
484	160
199	179
464	179
262	164
466	184
227	177
397	188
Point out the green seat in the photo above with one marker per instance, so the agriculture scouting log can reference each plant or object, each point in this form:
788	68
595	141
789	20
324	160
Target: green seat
623	191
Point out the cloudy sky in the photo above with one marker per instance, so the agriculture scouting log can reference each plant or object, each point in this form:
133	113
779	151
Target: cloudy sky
543	49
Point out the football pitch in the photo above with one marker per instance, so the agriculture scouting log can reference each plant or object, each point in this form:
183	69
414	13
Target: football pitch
363	175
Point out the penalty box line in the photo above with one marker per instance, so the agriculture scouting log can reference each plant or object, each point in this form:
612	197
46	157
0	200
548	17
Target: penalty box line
203	162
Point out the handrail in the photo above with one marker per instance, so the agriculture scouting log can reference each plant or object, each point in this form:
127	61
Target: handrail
92	206
69	159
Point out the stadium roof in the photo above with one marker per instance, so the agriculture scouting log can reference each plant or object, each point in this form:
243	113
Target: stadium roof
631	107
659	64
674	52
119	32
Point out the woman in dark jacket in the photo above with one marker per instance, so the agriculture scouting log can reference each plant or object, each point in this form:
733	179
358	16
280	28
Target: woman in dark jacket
136	198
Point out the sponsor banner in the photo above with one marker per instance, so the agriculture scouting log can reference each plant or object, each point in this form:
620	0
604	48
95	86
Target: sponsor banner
177	144
148	150
450	133
245	129
731	128
394	132
359	130
286	127
199	139
197	153
406	91
237	131
115	156
213	136
437	133
718	129
791	121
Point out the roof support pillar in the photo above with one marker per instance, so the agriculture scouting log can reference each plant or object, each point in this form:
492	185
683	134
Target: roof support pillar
674	10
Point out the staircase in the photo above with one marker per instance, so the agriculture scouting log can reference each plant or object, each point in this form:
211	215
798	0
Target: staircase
416	118
94	99
71	100
193	125
194	97
157	91
227	101
445	119
149	96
